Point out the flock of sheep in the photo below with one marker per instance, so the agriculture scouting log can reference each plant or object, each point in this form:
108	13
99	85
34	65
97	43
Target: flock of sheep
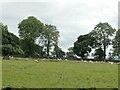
77	61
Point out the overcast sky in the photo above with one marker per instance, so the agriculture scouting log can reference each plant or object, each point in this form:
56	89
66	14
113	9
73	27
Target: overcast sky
71	17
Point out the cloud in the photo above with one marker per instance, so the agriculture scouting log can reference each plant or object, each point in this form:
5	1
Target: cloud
72	18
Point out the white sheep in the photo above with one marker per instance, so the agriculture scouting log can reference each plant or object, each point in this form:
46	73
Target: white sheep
111	62
36	61
91	61
66	60
26	59
96	61
12	57
59	59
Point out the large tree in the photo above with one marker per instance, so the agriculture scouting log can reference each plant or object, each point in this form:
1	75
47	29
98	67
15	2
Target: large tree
29	30
103	33
50	37
83	45
10	42
116	44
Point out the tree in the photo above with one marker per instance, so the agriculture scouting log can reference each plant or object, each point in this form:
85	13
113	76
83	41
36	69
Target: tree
29	30
10	42
39	52
83	45
50	36
1	26
70	54
28	46
103	32
116	44
99	54
58	52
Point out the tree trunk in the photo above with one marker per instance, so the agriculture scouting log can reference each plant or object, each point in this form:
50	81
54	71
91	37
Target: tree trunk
56	51
48	45
104	52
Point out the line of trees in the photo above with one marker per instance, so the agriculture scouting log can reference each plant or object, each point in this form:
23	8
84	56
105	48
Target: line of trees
37	39
98	39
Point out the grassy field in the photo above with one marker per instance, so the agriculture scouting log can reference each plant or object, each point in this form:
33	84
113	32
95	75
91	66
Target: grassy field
63	74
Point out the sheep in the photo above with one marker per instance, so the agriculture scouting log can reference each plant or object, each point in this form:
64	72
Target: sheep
36	61
111	62
91	61
96	61
84	61
59	59
66	60
12	57
26	59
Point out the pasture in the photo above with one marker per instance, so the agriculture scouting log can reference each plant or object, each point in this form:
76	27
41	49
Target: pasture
58	74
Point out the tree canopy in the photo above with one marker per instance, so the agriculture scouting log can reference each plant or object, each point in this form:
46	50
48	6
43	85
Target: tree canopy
10	42
58	52
83	45
29	30
99	54
50	37
70	54
116	44
103	33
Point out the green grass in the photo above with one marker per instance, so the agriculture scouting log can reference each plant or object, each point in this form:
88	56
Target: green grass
48	74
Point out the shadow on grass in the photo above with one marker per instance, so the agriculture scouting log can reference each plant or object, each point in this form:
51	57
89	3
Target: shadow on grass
9	88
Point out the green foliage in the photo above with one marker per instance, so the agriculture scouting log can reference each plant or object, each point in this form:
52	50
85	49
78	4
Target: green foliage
7	49
28	46
99	54
39	52
83	45
102	33
116	44
50	37
70	54
58	52
29	30
10	43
